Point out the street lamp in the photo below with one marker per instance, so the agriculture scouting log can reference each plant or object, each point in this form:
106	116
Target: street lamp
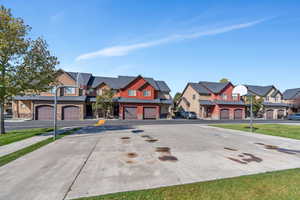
242	90
55	106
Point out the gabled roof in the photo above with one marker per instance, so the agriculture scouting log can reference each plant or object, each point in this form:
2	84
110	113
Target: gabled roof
98	80
204	87
199	88
275	93
291	94
119	82
259	90
214	87
83	78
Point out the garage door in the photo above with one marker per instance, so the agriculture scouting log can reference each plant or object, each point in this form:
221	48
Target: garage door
270	114
238	114
44	113
224	114
70	113
280	114
150	113
130	113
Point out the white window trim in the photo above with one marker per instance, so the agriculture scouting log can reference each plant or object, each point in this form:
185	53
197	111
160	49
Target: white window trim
134	91
149	93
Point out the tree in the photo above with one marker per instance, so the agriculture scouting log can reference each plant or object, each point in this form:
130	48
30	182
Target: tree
257	104
176	99
26	65
224	80
104	103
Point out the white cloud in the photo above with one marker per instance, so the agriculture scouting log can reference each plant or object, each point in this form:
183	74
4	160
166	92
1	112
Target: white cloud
123	50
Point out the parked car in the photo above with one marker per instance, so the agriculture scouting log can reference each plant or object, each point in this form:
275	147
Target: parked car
190	115
294	116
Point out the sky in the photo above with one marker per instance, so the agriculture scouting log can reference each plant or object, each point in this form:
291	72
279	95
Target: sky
178	41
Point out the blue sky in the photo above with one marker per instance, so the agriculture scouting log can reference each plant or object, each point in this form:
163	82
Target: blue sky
179	41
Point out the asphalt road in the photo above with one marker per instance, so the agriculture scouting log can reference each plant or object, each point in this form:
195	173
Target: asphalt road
45	124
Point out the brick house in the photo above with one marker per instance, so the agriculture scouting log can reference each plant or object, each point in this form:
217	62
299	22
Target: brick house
212	100
274	106
134	98
292	97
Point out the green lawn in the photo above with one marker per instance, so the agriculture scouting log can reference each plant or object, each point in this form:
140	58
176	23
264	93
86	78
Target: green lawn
283	185
289	131
13	156
14	136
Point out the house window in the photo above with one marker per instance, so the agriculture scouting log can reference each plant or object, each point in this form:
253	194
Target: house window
70	90
235	97
146	93
194	96
224	96
131	93
52	90
267	98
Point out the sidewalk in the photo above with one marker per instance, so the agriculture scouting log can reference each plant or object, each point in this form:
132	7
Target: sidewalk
13	147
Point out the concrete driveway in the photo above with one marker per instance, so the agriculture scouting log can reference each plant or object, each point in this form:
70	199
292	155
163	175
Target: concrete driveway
113	159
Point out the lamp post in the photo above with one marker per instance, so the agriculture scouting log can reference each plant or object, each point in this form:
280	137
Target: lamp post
55	107
251	113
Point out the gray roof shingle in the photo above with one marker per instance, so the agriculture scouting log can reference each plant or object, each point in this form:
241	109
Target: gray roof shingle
83	78
259	90
199	88
50	98
291	94
214	87
221	102
276	104
115	82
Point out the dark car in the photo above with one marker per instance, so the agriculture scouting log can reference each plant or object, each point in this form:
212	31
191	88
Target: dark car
294	116
191	115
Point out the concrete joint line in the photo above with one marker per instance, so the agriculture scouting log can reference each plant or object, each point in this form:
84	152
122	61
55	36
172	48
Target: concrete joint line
81	168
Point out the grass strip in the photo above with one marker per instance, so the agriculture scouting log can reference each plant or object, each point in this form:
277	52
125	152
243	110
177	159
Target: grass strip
281	185
288	131
17	154
17	135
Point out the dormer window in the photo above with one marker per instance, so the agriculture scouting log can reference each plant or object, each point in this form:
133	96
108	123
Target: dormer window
132	93
146	93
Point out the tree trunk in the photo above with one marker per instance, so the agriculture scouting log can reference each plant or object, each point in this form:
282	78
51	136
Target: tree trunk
2	128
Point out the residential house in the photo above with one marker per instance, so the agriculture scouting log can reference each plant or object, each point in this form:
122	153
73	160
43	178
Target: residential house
212	100
292	97
274	106
134	98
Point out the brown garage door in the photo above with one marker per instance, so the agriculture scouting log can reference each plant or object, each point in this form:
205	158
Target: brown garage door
280	114
270	114
150	113
70	113
130	113
224	114
238	114
44	113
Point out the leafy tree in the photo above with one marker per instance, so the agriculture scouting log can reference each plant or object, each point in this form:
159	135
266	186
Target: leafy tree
26	65
175	100
104	103
257	104
224	80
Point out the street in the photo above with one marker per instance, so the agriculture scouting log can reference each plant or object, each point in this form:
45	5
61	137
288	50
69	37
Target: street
46	124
